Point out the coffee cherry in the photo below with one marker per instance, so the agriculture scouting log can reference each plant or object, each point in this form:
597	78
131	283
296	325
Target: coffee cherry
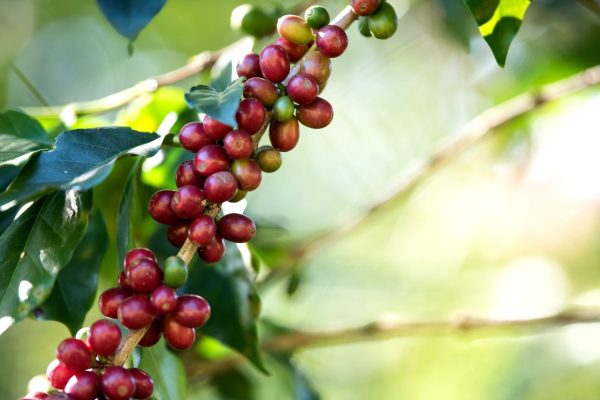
163	299
35	396
185	175
144	385
177	234
104	337
293	50
74	353
303	89
111	299
252	20
152	335
248	174
384	23
122	281
210	159
212	252
236	228
83	386
284	135
191	311
364	7
268	159
215	129
250	115
133	256
239	195
136	312
144	276
117	383
192	136
274	63
60	396
238	143
262	90
202	230
316	115
294	29
175	271
188	202
59	374
363	27
159	207
220	187
283	109
249	66
316	17
177	336
316	65
332	41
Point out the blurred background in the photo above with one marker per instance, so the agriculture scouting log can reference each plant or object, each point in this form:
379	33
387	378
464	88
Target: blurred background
508	229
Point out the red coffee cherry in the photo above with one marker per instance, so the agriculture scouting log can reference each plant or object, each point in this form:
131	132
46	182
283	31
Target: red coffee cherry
135	255
191	311
212	252
274	63
188	202
284	136
294	29
364	7
35	396
248	174
177	336
215	129
220	187
60	396
202	230
153	334
210	159
117	383
177	234
163	299
236	228
249	66
144	385
59	374
84	385
192	136
238	143
111	299
316	65
250	115
294	51
122	281
136	312
262	90
144	276
331	41
104	337
159	207
316	115
74	353
303	89
185	175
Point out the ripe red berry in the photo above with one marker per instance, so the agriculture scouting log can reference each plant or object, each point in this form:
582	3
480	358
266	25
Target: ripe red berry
262	90
35	396
117	383
331	41
249	66
84	385
274	63
316	65
104	337
111	299
74	353
284	136
144	276
316	115
202	230
248	174
59	374
220	187
188	202
179	337
236	228
159	207
144	385
250	115
215	129
193	137
122	281
177	234
212	252
163	299
185	175
294	51
191	311
136	312
153	334
364	7
211	159
137	254
303	89
238	144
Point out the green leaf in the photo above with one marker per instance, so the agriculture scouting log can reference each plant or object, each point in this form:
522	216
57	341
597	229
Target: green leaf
129	17
302	388
124	232
20	135
222	78
81	159
75	289
234	385
220	105
37	245
499	21
167	371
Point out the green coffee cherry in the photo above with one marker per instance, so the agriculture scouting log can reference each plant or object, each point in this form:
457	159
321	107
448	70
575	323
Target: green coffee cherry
268	159
294	29
384	22
283	109
316	17
252	20
363	26
175	272
239	195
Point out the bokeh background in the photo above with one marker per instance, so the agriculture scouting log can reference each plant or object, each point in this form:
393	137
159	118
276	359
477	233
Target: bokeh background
508	229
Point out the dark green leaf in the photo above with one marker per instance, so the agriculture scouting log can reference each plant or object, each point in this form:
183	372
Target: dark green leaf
167	371
75	288
234	385
37	245
81	159
124	213
220	105
222	79
302	388
129	17
20	135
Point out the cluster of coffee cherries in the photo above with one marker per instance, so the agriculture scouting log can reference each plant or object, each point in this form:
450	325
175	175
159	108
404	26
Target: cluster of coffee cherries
376	18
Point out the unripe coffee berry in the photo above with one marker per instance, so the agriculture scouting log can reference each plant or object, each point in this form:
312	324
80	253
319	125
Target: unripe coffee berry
84	385
236	228
262	90
316	65
294	29
284	136
250	115
177	234
144	276
252	20
163	299
152	335
185	175
316	115
192	136
191	311
104	337
332	41
211	159
59	374
364	7
177	336
117	383
384	23
220	187
363	27
188	202
136	312
293	50
274	63
283	109
144	385
212	252
202	230
316	17
268	159
239	195
176	272
248	174
249	66
215	129
303	89
159	207
238	144
74	353
111	299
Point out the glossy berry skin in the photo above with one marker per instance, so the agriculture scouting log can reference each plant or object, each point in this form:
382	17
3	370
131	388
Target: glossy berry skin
83	386
177	234
59	374
364	7
274	63
191	311
316	115
268	159
331	41
212	252
152	335
202	230
211	159
74	353
177	336
193	137
185	175
250	115
159	207
35	396
239	195
363	26
104	337
163	299
283	109
215	129
111	299
137	254
117	383
384	23
144	385
284	136
238	144
316	65
136	312
248	174
220	187
303	89
122	281
188	202
316	17
60	396
236	228
294	29
144	276
175	271
262	90
293	50
249	66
